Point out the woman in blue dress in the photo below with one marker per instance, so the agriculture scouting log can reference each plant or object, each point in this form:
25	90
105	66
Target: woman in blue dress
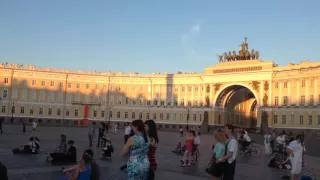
137	148
80	172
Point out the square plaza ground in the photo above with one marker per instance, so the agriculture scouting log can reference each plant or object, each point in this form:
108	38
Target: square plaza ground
34	167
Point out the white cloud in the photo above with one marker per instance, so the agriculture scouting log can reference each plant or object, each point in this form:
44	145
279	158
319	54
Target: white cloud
187	40
195	28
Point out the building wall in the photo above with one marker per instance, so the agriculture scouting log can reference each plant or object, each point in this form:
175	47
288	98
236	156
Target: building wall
60	95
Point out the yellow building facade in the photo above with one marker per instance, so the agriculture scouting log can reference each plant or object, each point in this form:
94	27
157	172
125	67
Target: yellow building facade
247	93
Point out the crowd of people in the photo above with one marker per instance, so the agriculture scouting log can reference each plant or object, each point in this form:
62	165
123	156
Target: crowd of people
141	142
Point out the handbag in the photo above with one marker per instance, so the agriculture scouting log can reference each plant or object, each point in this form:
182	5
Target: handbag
211	165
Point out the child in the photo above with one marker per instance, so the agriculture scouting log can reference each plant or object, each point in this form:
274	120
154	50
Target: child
107	150
188	152
267	143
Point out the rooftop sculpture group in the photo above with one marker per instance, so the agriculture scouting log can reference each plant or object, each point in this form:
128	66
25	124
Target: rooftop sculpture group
244	54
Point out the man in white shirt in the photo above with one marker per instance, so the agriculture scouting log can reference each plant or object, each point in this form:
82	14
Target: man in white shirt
231	153
34	127
127	132
295	150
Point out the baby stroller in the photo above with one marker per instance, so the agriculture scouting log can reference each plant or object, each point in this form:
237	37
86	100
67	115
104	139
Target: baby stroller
107	149
179	150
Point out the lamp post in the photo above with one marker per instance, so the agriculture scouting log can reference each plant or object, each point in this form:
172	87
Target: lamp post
12	111
188	115
149	113
109	112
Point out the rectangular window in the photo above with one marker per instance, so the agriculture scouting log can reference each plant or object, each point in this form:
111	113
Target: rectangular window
6	80
303	83
22	110
61	84
311	103
162	102
78	85
284	119
292	119
168	116
40	110
133	102
110	114
285	84
67	112
147	116
94	113
174	116
301	119
69	85
87	86
49	111
31	111
155	102
275	119
140	115
194	116
76	113
5	94
285	100
13	109
102	114
52	83
154	116
276	101
148	102
34	82
161	116
126	115
43	83
58	112
118	114
133	115
310	120
302	100
182	102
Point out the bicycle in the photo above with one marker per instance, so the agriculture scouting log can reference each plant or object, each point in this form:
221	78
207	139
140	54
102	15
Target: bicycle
252	149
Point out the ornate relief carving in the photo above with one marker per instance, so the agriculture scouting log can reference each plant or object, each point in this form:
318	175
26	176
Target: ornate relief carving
217	87
245	69
208	88
207	101
255	85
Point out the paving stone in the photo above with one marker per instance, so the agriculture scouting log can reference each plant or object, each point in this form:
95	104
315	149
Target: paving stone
34	167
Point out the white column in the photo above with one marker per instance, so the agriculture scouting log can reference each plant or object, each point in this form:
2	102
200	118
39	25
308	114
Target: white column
179	95
185	95
316	96
289	92
199	95
211	92
270	93
192	93
261	94
172	94
298	92
280	94
307	92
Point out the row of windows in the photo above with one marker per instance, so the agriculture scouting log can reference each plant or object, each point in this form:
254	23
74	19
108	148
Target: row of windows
102	114
303	84
292	119
302	100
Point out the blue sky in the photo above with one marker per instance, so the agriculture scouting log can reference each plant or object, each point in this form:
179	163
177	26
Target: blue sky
155	36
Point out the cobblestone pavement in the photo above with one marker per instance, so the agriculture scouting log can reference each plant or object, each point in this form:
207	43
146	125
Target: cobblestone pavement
34	167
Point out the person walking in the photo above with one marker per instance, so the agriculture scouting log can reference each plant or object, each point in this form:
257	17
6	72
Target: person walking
24	125
127	132
267	143
231	153
295	150
101	133
34	127
91	133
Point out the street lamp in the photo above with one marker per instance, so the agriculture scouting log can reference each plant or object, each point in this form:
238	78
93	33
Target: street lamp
148	117
109	111
188	114
12	111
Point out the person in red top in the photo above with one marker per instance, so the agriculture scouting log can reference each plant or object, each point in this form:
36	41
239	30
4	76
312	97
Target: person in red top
151	129
188	151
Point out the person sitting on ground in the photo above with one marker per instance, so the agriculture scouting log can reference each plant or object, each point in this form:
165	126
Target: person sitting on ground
80	172
95	170
72	152
60	152
32	147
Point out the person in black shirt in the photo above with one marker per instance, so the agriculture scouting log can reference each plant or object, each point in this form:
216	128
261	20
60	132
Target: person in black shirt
101	132
72	152
3	172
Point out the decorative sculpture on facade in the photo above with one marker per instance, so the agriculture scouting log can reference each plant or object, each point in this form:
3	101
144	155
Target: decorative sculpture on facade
208	88
244	54
265	100
217	87
255	85
266	86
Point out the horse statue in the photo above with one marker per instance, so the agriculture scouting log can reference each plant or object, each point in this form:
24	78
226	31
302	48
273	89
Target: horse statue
257	54
234	55
220	58
225	57
253	54
246	55
230	56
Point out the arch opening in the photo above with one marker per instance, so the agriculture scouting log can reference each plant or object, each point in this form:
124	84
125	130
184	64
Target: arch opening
239	106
